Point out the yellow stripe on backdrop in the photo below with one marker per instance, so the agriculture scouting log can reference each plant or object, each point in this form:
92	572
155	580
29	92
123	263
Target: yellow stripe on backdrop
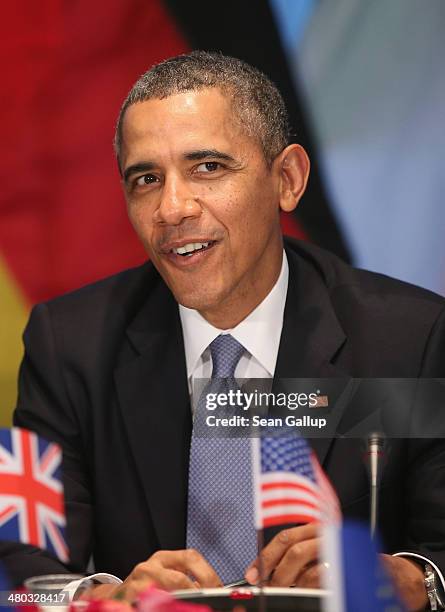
13	317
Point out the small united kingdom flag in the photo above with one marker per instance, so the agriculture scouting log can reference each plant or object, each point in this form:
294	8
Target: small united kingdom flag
31	491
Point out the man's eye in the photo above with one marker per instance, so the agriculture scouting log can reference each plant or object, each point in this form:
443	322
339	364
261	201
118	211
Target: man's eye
146	179
208	167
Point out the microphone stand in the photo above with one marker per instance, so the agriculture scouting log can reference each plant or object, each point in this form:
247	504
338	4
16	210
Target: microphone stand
376	446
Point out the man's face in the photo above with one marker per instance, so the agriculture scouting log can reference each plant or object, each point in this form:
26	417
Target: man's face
197	183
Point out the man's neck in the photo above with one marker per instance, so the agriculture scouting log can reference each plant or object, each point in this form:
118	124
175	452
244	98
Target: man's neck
230	314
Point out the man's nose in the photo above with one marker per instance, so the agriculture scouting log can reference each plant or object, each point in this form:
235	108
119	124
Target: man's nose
177	203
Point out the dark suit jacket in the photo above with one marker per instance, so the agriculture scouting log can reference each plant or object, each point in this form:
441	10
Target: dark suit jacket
104	375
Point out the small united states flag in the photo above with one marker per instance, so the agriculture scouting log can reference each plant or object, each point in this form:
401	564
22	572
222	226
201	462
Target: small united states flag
31	492
290	485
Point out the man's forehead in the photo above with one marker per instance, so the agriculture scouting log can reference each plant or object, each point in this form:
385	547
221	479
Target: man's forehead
186	121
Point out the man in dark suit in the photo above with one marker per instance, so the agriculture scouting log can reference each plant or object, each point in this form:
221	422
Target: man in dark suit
202	145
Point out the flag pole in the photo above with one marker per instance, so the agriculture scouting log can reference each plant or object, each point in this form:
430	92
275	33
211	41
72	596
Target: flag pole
262	597
256	468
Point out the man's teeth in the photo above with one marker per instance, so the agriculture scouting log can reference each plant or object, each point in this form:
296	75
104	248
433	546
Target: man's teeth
191	247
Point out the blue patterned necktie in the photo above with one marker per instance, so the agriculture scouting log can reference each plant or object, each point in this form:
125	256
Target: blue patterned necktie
220	521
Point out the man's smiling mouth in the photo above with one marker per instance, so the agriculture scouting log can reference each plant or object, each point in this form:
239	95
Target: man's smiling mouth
192	247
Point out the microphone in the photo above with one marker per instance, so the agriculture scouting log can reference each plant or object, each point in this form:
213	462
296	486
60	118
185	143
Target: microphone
376	445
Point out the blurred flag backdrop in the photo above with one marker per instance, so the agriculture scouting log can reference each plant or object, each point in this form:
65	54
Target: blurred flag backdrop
68	64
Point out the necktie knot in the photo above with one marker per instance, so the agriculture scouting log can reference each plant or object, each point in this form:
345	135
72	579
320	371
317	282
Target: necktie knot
226	353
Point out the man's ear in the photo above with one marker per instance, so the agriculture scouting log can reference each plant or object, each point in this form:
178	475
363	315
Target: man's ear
293	165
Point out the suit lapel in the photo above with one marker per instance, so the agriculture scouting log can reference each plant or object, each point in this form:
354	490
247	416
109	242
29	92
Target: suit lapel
154	399
311	337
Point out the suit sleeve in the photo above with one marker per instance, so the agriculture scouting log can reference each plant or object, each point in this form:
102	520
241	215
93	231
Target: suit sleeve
425	512
44	407
426	488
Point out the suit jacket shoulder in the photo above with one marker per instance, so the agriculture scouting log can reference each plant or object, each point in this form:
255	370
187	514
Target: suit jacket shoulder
336	275
382	326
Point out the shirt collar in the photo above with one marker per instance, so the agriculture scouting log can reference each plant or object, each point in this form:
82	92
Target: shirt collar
259	332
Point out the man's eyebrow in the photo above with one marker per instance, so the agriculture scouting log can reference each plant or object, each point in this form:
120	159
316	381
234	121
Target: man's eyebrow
205	153
138	167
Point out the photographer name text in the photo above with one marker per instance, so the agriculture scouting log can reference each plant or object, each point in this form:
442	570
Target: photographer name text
257	421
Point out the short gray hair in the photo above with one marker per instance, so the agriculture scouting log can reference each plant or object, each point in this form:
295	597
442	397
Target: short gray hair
254	97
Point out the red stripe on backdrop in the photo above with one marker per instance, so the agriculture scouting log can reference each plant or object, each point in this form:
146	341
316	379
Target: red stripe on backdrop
68	67
291	227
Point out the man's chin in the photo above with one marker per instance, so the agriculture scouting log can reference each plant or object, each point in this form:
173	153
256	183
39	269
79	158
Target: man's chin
196	303
202	301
